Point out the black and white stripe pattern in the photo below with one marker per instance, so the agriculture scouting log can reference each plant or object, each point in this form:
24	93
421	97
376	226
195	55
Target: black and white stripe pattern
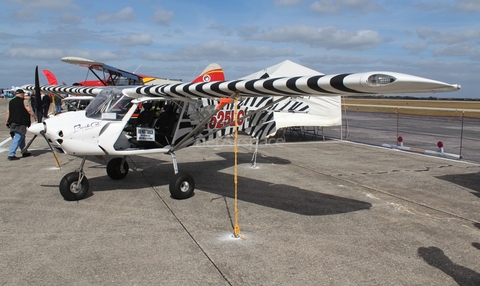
254	103
259	125
290	86
317	85
60	89
262	124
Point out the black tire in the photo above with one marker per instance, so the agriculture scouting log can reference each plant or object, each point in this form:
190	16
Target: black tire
71	190
113	169
182	186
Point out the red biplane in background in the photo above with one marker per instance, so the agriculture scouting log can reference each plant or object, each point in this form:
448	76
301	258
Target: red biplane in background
111	76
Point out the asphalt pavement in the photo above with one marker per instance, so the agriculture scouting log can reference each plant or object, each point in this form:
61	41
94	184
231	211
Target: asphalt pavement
310	213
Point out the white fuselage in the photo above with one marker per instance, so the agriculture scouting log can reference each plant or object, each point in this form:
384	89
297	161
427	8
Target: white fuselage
77	134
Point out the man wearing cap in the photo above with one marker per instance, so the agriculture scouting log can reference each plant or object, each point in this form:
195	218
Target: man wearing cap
18	120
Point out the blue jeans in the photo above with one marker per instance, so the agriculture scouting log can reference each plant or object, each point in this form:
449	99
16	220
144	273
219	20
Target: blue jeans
17	141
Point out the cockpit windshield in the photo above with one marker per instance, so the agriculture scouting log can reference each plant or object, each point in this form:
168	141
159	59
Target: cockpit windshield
109	105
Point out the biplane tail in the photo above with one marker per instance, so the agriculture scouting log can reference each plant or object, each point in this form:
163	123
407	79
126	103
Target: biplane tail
52	80
213	72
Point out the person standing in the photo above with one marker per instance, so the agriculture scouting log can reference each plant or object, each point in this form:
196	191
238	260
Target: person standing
33	103
18	119
58	103
46	103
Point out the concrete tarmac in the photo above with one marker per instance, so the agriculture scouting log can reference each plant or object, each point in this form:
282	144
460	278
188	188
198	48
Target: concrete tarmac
311	213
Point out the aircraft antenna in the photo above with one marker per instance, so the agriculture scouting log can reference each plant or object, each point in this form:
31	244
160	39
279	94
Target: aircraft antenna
136	69
194	73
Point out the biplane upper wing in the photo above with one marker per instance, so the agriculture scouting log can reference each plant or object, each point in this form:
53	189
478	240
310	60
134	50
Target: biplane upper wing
212	72
99	66
318	85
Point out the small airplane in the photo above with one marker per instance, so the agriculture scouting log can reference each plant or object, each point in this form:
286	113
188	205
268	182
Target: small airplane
111	76
191	113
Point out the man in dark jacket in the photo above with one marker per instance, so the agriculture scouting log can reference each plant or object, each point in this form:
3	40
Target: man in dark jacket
18	119
46	102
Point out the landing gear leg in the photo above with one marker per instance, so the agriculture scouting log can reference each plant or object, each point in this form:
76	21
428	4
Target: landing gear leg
182	184
254	157
74	186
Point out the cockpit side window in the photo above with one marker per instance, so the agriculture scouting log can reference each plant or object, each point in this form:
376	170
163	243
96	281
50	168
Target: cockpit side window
120	106
109	106
93	110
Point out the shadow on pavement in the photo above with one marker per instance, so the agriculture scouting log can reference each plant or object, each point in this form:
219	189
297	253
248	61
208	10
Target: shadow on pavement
470	181
435	257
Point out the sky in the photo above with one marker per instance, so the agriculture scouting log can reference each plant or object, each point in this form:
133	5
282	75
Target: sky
178	38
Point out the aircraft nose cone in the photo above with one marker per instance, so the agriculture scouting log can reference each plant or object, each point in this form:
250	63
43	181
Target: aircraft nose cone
36	128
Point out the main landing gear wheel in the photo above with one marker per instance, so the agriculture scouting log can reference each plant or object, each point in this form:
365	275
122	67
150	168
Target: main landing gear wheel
114	169
182	186
72	188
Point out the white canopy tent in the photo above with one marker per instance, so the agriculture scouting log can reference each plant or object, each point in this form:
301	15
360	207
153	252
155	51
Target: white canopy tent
324	111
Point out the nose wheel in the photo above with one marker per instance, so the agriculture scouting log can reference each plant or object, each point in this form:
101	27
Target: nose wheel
74	186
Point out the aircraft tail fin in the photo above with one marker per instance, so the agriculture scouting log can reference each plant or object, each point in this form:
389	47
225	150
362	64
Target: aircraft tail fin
213	72
52	80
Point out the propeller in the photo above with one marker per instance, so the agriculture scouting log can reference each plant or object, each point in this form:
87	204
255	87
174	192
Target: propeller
39	112
38	96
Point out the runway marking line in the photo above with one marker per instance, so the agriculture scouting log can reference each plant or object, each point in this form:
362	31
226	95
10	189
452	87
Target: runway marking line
5	141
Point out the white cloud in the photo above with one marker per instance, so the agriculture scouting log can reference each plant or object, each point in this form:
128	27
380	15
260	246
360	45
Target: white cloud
336	60
8	36
162	17
426	32
45	4
468	5
71	19
427	6
132	40
328	37
469	50
456	37
335	6
287	3
224	31
325	7
34	53
219	50
415	48
71	35
100	55
125	15
436	37
27	15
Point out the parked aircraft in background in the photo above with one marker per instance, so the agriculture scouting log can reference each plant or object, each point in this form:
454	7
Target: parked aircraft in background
193	113
110	76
